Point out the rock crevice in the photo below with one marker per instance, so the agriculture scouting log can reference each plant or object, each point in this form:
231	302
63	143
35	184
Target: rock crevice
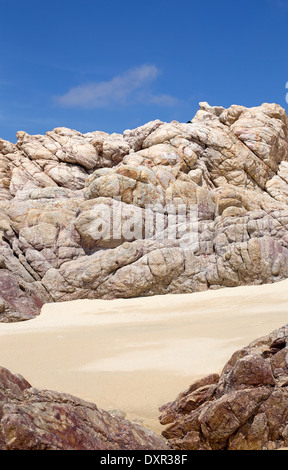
228	165
32	419
245	408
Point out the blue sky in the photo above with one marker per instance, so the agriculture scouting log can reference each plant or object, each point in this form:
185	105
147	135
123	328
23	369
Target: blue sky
112	65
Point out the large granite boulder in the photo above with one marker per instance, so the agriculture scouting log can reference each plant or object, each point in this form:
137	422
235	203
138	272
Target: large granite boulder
32	419
91	215
246	408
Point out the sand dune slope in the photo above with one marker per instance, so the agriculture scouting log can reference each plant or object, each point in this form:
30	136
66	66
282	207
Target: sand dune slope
136	354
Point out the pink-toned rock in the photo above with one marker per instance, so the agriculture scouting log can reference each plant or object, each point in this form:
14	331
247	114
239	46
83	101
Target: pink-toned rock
227	167
246	408
32	419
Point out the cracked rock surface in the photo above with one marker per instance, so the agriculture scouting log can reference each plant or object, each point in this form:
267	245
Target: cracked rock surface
246	408
32	419
232	164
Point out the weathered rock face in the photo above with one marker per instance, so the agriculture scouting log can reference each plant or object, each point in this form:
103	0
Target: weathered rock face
60	193
246	408
32	419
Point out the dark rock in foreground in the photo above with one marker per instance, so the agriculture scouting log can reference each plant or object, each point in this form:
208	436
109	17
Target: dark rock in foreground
32	419
246	408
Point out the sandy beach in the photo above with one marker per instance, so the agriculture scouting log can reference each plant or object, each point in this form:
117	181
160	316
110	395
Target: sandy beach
136	354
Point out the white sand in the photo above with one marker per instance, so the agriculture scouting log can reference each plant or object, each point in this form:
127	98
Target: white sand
137	354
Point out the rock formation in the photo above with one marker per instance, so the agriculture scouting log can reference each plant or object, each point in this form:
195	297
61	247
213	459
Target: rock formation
246	408
32	419
231	164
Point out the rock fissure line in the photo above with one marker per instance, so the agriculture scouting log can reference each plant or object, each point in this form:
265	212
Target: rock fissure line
229	163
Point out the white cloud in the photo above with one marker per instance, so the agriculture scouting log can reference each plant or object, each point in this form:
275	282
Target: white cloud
161	100
125	89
